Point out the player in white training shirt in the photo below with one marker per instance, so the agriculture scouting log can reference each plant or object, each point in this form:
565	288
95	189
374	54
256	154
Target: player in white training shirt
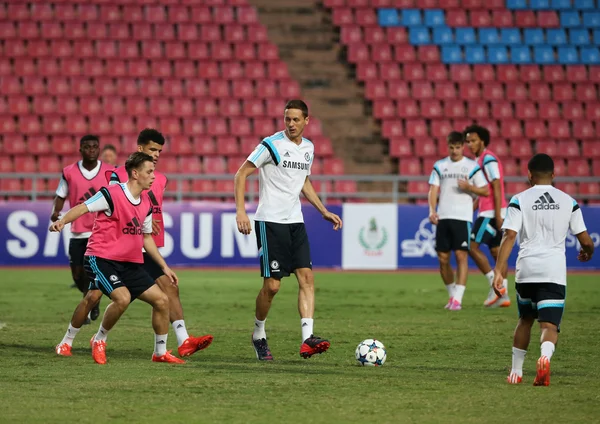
284	161
541	216
456	179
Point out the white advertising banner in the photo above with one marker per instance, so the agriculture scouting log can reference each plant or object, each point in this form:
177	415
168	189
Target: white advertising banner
370	236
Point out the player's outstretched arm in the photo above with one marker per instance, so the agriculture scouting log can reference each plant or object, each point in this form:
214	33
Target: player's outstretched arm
470	188
311	195
70	216
152	250
239	190
587	246
57	206
506	246
432	198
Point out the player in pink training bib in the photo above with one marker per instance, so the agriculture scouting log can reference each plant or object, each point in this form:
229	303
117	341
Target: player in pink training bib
492	210
80	181
113	259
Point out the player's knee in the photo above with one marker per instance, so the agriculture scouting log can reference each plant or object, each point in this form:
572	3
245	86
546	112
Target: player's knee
271	286
444	258
548	326
161	302
462	256
92	297
526	321
167	287
306	278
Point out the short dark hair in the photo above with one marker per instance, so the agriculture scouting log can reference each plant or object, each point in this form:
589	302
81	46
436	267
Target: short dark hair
109	147
89	137
297	104
455	137
541	164
150	134
482	132
135	160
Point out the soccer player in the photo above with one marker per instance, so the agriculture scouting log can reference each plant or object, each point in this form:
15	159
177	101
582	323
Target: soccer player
80	181
492	210
542	217
456	179
284	161
109	155
114	258
151	142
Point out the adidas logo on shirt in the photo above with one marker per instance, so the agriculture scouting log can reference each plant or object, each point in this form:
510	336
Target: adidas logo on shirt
545	202
87	195
287	154
133	227
156	210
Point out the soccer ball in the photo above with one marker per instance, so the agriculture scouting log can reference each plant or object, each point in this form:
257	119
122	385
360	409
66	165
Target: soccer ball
370	353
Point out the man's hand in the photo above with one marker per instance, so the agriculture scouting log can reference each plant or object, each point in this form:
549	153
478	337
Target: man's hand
464	185
333	218
499	222
54	216
57	227
583	256
156	227
434	218
243	223
497	283
169	273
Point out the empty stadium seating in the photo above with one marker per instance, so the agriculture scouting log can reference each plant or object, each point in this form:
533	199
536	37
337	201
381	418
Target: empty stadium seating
203	72
529	70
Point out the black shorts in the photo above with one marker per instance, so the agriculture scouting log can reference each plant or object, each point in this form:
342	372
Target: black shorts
106	275
282	248
77	248
452	234
485	232
152	267
544	301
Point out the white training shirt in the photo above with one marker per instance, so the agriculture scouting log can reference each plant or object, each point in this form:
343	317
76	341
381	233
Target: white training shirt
98	203
491	168
542	216
455	203
63	191
283	167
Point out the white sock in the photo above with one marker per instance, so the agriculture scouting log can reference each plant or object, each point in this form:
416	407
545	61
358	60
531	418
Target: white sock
505	285
450	287
180	331
518	358
160	344
459	290
70	335
102	334
307	327
547	349
259	329
490	277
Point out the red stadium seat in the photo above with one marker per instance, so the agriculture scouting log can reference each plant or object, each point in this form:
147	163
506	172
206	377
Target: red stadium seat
333	166
418	187
511	129
548	110
548	147
592	111
502	110
413	71
510	166
484	73
422	90
583	130
540	92
214	165
398	90
405	109
554	73
507	73
559	129
591	149
392	128
444	90
431	109
478	109
530	73
535	129
516	92
526	110
568	149
14	144
573	111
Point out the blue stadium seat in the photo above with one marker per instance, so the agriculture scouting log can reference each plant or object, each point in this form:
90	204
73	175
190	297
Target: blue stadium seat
591	19
516	4
474	54
568	55
584	4
569	19
435	18
443	35
489	36
452	54
560	4
388	17
539	4
597	36
419	36
533	36
543	55
590	55
465	36
510	36
411	17
556	37
520	55
579	37
497	55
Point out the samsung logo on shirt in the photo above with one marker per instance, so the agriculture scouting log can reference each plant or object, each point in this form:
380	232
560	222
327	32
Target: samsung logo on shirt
295	165
459	176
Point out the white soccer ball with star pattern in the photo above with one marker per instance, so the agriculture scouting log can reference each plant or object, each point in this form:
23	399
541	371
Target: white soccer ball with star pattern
370	353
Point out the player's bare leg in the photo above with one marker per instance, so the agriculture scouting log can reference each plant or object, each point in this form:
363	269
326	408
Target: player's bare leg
548	340
79	318
160	323
462	269
187	344
263	305
481	260
83	283
121	298
521	340
311	344
447	275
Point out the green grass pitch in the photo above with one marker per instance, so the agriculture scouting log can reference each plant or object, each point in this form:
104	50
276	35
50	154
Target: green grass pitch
442	367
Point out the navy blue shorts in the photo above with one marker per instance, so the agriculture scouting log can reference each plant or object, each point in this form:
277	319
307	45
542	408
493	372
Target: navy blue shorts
485	232
106	275
282	248
542	301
